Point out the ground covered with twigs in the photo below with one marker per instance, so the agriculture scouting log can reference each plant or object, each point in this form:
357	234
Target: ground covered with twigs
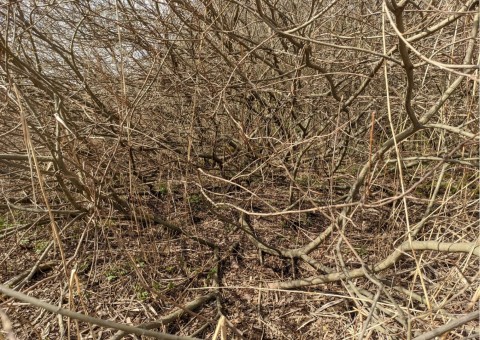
135	273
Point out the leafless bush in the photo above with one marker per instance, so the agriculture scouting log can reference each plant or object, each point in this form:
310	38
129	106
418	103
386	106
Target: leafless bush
336	138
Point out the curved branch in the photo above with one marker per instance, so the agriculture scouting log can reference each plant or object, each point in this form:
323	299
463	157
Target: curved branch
86	318
449	326
453	129
464	247
168	319
407	63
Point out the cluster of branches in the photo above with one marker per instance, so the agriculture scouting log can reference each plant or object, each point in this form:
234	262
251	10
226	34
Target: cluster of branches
270	108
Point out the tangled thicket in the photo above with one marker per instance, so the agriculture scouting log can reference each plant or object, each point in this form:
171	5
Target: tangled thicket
281	144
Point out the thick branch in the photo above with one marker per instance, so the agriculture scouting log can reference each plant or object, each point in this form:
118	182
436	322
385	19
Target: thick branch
86	318
463	247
